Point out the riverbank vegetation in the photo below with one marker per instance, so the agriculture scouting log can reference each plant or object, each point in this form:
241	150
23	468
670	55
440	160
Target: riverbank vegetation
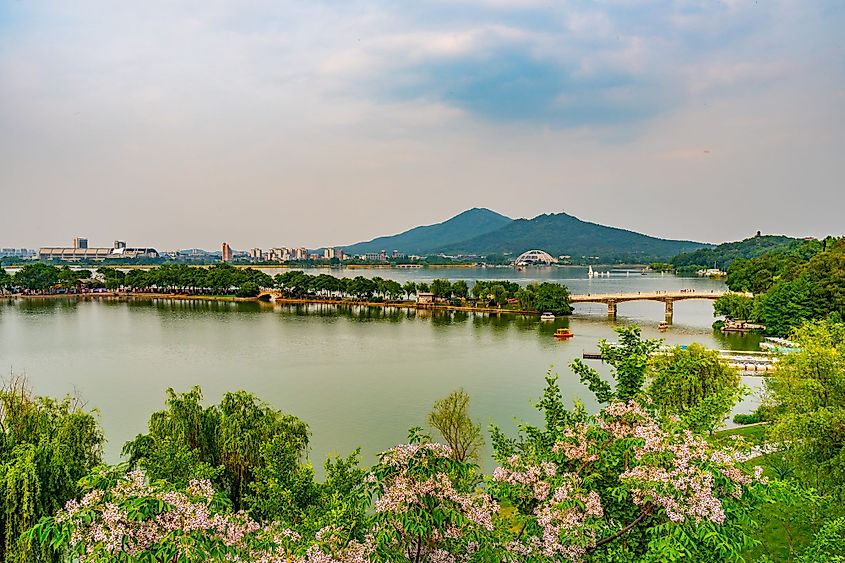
224	279
638	479
801	283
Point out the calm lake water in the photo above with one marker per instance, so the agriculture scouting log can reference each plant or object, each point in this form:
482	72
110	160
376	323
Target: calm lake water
359	376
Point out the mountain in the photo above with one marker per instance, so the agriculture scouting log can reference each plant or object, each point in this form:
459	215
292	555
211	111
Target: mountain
724	255
421	240
562	234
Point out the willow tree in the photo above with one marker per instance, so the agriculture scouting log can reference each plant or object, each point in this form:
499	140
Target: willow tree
46	446
230	443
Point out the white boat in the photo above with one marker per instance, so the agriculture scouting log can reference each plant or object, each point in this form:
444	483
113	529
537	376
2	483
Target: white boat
547	317
590	273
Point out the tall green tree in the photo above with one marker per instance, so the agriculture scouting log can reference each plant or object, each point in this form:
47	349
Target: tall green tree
450	417
231	443
554	298
695	385
806	398
46	446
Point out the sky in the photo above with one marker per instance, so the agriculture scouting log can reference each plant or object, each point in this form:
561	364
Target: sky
286	123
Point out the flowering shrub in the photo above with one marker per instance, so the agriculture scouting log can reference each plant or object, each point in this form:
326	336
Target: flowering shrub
427	506
129	519
585	481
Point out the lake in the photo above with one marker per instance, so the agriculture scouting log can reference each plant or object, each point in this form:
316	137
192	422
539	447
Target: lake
358	376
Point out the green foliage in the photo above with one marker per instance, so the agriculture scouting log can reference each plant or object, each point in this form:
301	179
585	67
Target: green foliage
727	253
441	288
553	297
753	418
806	400
247	448
828	546
695	385
450	416
248	289
802	281
597	454
629	358
735	306
46	446
37	277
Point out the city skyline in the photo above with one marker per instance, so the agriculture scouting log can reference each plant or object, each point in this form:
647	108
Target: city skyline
325	123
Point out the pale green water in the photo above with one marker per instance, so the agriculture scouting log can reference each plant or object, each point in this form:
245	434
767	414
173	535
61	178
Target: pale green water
359	377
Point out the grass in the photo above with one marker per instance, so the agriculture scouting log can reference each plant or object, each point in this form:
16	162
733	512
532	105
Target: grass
753	433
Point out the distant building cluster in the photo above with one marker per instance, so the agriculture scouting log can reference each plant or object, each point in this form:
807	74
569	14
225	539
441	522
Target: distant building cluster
81	251
25	253
285	254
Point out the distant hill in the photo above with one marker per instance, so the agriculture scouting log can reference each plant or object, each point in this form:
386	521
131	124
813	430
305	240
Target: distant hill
563	234
421	240
723	255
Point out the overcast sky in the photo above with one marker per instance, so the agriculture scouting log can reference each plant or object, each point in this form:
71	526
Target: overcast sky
267	123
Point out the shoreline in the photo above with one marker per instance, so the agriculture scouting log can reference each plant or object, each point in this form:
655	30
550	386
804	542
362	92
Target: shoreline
121	296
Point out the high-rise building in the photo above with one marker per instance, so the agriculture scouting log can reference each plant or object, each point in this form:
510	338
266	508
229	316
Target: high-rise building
80	242
227	252
301	254
255	254
328	253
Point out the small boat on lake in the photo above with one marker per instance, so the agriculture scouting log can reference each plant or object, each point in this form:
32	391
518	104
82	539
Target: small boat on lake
663	326
563	333
547	317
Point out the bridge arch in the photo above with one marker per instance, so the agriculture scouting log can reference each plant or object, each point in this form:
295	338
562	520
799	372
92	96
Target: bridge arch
534	257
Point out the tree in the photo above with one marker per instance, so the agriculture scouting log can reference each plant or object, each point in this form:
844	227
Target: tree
499	294
695	385
460	289
619	485
228	443
450	416
806	399
735	306
554	298
480	290
629	358
441	288
46	446
410	288
248	289
37	277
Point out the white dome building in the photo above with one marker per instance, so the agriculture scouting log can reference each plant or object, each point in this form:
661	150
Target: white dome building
535	258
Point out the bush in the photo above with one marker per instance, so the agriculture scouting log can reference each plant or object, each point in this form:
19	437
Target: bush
752	418
248	289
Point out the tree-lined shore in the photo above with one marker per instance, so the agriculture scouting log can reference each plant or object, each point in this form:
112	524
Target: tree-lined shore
226	280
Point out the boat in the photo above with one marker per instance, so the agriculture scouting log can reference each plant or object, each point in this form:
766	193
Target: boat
547	317
663	326
590	273
563	333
